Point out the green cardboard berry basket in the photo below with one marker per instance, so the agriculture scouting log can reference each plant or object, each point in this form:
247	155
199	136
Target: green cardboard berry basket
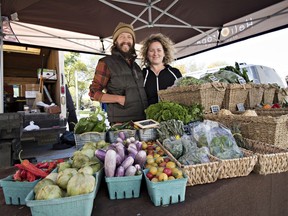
66	206
15	192
124	187
166	192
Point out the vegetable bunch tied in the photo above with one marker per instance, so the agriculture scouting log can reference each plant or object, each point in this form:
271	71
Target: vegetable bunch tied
95	122
164	111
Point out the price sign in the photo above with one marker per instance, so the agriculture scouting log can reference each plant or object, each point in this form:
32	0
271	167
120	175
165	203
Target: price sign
213	78
240	107
149	123
241	80
215	108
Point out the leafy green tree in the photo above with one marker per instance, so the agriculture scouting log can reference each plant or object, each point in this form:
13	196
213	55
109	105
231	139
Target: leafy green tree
83	66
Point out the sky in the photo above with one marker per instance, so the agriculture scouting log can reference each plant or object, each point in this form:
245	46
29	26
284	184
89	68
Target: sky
269	50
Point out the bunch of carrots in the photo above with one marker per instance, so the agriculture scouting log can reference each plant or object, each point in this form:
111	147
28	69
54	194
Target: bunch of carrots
28	171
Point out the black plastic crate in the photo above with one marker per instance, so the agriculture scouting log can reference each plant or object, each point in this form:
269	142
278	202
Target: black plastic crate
11	126
43	120
5	154
45	136
16	148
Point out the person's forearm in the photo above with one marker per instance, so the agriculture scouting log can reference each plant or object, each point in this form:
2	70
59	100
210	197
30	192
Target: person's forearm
109	98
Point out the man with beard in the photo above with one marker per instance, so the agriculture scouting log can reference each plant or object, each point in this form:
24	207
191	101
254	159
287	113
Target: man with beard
118	80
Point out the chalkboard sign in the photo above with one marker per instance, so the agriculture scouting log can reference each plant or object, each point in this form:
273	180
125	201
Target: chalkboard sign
215	108
149	123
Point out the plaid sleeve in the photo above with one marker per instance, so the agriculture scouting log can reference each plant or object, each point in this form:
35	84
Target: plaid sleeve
99	82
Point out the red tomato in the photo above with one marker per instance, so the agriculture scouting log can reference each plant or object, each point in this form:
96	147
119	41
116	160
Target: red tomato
168	171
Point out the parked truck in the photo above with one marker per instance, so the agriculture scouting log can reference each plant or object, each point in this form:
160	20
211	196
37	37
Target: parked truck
22	71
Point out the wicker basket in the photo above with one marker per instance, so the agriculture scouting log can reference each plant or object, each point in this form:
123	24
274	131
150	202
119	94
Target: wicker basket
269	129
271	159
200	173
206	94
255	95
82	139
112	135
237	167
269	93
273	112
235	94
280	95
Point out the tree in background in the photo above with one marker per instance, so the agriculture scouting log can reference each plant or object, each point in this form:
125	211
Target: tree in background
82	65
74	66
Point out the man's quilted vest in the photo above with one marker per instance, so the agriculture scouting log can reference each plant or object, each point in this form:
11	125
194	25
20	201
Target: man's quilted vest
127	81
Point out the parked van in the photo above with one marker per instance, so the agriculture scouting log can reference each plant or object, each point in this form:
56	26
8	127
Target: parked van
262	74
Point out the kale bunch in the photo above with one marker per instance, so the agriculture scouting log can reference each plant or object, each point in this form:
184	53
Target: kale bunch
164	111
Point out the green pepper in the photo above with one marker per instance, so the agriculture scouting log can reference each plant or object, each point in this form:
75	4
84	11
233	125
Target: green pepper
80	126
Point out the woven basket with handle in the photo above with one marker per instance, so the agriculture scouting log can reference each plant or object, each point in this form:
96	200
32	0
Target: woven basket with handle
269	128
206	94
271	159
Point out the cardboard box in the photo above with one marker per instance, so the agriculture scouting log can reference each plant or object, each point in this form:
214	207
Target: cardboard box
31	90
49	74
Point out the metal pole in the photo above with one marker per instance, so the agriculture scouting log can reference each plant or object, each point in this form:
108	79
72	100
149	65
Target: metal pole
1	67
76	92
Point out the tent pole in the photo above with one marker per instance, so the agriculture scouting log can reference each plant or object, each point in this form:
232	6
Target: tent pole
1	67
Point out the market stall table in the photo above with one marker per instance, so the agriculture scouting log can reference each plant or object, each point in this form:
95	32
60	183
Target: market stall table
251	195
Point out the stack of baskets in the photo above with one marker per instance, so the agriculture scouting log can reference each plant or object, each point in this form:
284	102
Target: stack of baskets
269	93
235	94
206	94
255	96
281	94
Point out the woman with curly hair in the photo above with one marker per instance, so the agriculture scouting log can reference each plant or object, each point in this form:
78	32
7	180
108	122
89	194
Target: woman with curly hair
157	53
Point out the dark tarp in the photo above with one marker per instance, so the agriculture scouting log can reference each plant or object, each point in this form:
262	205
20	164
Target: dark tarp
194	26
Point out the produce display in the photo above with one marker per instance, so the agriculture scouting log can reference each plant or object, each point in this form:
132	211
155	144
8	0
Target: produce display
123	158
73	177
208	142
228	74
159	166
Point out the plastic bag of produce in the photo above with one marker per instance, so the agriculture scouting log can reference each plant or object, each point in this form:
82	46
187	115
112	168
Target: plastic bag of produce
217	138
